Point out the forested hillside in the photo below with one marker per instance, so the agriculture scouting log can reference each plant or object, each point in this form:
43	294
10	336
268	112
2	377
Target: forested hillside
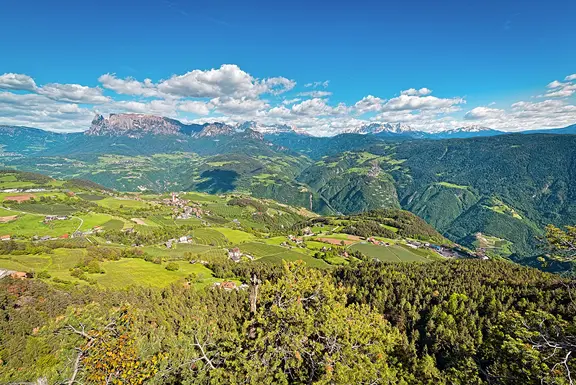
494	193
370	323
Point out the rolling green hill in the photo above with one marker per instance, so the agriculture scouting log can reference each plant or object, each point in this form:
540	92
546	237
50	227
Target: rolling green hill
507	186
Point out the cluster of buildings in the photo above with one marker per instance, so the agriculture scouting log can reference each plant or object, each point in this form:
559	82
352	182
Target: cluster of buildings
190	212
175	201
235	254
18	190
182	207
51	218
13	274
183	239
377	242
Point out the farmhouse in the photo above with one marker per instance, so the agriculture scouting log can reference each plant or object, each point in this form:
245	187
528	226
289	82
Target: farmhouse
228	285
235	254
50	218
13	274
5	237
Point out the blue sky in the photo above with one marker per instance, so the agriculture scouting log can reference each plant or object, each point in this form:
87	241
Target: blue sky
483	55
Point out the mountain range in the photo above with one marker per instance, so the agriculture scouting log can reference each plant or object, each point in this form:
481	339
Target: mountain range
140	125
477	186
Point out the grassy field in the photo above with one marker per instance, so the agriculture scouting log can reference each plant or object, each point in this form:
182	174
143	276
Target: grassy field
91	197
235	236
177	251
95	219
118	274
394	253
46	209
57	264
149	274
259	250
209	237
113	224
28	225
117	203
294	256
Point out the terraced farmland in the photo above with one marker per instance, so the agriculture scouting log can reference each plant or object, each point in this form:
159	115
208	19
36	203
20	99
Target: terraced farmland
395	253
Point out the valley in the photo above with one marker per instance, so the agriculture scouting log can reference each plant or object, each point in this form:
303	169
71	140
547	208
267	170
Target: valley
504	186
77	232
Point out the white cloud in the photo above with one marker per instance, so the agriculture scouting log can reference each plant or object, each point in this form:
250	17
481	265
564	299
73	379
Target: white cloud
38	111
409	102
74	93
564	91
369	103
17	82
280	111
228	80
555	84
128	86
291	101
480	113
243	105
229	94
195	107
323	84
318	107
316	94
420	92
154	107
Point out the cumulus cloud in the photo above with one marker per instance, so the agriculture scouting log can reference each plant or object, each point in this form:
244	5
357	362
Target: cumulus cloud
228	80
410	102
420	92
38	111
128	86
290	101
167	108
368	103
555	84
229	94
227	105
74	93
318	107
17	82
563	91
480	113
195	107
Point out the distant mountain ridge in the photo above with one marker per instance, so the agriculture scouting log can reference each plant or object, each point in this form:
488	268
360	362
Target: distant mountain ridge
140	125
407	131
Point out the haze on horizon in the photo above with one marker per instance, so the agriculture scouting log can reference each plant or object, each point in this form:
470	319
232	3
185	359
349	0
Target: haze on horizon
322	69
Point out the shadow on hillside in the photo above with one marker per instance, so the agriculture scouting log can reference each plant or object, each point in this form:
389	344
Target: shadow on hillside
218	181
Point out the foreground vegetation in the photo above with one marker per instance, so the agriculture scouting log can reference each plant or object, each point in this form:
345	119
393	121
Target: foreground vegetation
461	322
192	288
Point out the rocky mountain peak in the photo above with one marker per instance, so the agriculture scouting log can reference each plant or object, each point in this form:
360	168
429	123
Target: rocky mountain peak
133	125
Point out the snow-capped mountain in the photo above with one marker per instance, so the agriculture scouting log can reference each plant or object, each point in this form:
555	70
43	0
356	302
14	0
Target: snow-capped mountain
466	132
378	128
270	129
